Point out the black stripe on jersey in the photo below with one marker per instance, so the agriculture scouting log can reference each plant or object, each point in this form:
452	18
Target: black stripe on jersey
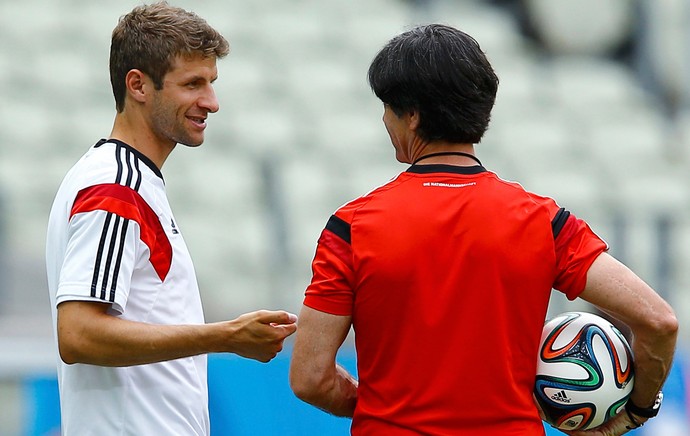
140	156
118	262
109	257
559	221
128	160
339	227
99	254
118	159
139	176
129	173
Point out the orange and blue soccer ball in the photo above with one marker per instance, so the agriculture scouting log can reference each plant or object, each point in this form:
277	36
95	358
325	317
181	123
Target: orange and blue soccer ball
584	371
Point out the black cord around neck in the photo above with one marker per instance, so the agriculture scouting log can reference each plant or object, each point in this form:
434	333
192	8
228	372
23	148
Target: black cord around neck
448	153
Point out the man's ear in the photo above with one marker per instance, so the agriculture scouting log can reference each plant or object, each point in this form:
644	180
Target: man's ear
413	117
138	85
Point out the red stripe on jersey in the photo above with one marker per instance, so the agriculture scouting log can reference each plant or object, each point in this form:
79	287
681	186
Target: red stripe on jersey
576	249
337	245
332	263
127	203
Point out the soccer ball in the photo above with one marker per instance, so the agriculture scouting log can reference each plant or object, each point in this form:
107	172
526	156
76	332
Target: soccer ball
584	371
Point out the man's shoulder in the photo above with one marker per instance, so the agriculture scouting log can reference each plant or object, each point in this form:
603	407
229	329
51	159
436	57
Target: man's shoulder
96	166
349	209
105	163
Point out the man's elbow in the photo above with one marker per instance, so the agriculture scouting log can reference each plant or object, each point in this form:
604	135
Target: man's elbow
305	385
663	326
68	353
667	325
71	346
77	339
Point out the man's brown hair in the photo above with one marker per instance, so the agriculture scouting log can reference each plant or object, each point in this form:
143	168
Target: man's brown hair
151	36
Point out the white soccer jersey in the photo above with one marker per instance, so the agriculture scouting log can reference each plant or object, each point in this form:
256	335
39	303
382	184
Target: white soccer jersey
112	238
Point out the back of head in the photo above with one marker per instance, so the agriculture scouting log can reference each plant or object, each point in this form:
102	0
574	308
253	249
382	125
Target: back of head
443	74
151	36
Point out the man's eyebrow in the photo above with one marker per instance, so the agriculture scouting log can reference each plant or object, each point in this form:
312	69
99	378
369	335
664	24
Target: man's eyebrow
197	78
192	79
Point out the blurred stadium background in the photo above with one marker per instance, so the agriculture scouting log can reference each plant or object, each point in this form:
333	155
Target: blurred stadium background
593	109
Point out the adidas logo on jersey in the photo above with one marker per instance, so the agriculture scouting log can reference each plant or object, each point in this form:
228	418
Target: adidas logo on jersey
560	397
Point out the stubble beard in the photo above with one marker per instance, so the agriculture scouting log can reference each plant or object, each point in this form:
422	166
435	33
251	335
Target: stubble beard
167	126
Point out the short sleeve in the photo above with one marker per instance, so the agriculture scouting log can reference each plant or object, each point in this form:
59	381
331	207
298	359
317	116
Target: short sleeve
577	246
331	287
101	254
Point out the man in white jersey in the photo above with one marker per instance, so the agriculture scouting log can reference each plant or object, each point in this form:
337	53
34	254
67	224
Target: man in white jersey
126	308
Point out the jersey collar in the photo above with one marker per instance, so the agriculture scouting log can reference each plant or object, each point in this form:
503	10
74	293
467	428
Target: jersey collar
442	168
149	163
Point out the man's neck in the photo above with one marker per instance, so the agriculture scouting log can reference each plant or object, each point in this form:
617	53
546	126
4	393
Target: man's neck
137	134
447	153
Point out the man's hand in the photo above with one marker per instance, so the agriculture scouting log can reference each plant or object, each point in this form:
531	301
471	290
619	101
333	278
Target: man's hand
618	425
259	335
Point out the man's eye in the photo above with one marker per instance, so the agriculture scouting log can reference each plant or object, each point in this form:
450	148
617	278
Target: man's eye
194	84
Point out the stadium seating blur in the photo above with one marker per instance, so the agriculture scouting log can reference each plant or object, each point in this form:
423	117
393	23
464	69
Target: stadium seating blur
299	133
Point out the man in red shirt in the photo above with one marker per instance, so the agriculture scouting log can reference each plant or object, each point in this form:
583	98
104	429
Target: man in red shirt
445	272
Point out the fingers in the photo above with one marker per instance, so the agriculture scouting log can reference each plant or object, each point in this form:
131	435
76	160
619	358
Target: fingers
270	349
268	355
276	317
286	329
283	323
261	334
541	412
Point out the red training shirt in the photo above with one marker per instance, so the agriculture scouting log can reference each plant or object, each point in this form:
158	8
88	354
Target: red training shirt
447	272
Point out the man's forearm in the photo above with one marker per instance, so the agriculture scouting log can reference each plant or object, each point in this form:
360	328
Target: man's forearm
337	394
117	342
345	396
653	360
87	334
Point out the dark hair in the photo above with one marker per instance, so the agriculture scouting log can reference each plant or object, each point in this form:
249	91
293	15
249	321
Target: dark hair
151	36
443	74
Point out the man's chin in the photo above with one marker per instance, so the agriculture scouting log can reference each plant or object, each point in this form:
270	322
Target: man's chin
189	142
